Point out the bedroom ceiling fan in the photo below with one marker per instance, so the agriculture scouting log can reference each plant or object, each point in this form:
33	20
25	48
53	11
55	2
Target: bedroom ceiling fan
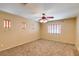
45	18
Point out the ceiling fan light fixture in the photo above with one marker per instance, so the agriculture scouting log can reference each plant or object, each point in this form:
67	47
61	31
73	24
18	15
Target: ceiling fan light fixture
43	20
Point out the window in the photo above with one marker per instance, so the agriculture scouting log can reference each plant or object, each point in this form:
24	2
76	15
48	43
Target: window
7	24
54	28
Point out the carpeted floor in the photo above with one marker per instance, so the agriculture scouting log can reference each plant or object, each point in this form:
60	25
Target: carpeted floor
41	48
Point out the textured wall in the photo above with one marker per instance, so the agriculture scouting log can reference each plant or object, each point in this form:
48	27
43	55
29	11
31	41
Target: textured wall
68	28
16	35
77	33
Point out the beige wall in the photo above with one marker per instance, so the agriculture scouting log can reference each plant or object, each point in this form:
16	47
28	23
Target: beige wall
68	31
16	35
77	33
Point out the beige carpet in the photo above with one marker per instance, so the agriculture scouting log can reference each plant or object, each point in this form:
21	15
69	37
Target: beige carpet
42	48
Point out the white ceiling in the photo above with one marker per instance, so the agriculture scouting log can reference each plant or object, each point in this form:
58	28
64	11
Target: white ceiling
34	10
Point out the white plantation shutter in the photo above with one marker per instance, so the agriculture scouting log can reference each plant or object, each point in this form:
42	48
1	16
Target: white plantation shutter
7	24
54	28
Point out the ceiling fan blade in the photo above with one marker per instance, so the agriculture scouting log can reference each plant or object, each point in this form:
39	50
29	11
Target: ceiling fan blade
50	17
